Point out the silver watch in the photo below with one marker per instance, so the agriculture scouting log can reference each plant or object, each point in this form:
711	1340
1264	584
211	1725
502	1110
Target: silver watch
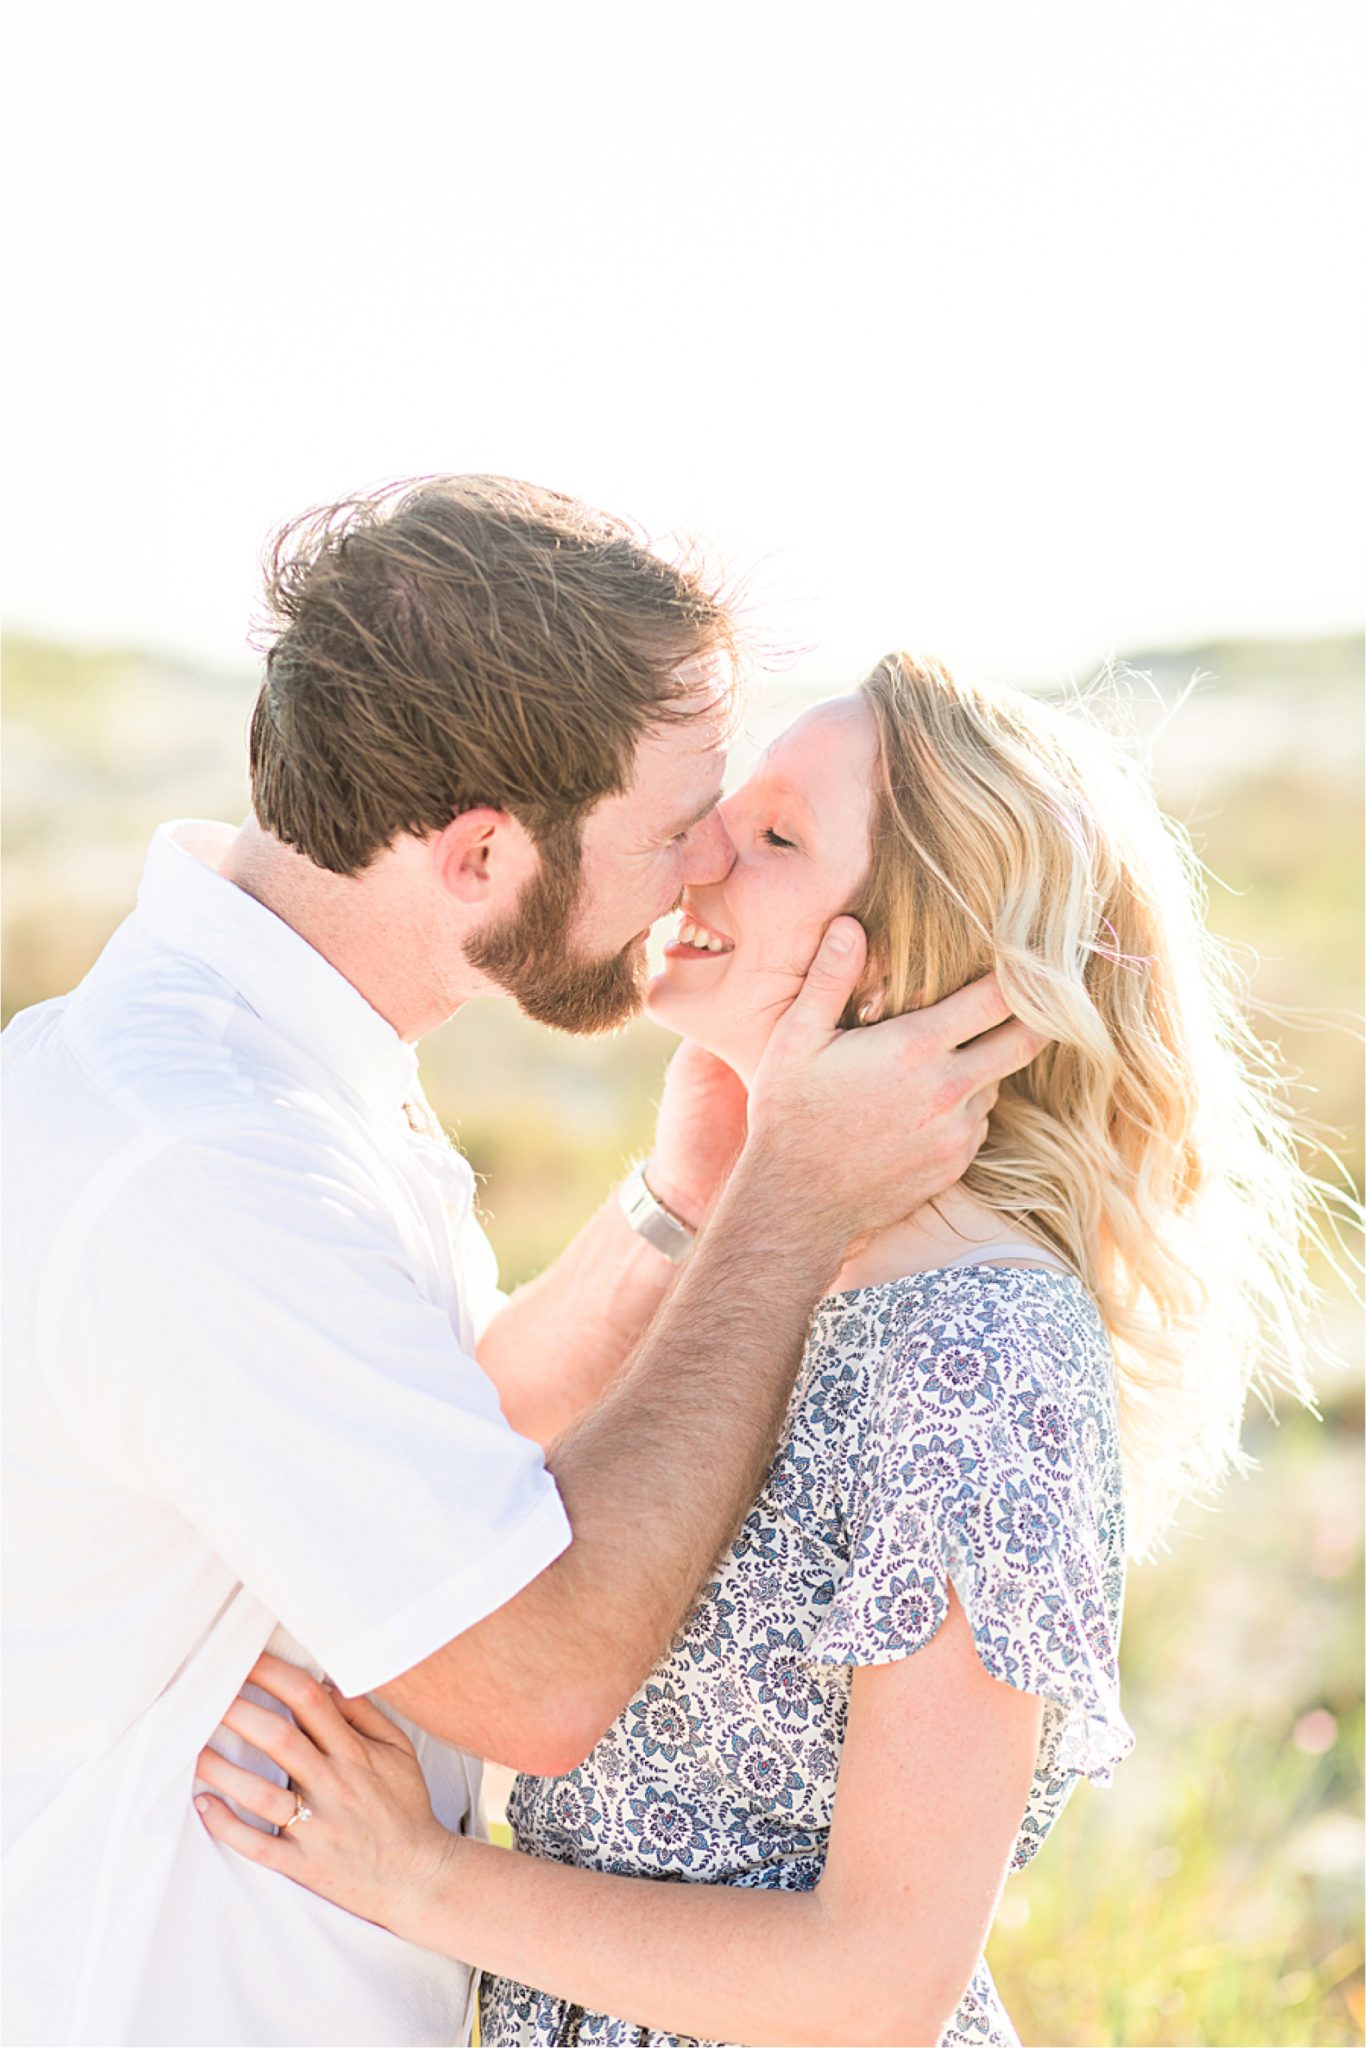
656	1224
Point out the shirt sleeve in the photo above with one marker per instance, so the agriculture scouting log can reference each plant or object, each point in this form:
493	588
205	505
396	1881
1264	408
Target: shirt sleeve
265	1359
990	1463
477	1268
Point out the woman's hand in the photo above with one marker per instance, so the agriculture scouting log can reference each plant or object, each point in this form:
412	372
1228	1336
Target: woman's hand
371	1842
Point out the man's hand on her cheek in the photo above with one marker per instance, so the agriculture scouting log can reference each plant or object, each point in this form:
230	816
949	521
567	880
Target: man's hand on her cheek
874	1123
698	1134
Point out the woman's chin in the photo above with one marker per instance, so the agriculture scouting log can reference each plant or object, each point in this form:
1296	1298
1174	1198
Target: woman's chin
665	1004
693	1017
682	1011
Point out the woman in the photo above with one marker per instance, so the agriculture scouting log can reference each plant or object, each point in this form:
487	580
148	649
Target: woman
907	1657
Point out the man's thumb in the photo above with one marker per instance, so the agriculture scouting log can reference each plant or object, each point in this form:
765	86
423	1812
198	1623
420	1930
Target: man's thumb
831	978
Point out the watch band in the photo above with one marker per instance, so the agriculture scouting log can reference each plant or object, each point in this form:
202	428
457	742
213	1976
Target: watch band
652	1221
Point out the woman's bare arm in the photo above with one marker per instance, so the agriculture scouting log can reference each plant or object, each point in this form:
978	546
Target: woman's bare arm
935	1775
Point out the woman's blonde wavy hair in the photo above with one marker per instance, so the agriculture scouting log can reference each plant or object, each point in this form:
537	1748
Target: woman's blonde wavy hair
1149	1143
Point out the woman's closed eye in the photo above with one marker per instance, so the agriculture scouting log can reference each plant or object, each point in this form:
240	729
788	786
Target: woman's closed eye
772	838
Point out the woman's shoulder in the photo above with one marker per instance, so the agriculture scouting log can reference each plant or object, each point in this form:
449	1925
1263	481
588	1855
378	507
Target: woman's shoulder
984	1352
974	1325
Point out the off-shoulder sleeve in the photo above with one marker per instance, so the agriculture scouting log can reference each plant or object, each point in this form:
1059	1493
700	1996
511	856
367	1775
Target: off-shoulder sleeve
990	1461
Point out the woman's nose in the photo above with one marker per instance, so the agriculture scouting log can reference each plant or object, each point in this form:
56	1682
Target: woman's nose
709	851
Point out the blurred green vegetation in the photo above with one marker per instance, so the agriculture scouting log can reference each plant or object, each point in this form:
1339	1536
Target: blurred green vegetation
1213	1895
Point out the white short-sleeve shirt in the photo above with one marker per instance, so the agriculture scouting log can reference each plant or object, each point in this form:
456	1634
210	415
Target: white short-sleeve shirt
242	1295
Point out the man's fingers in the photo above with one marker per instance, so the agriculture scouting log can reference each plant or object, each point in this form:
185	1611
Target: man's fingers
979	1105
967	1013
222	1822
261	1796
830	981
997	1053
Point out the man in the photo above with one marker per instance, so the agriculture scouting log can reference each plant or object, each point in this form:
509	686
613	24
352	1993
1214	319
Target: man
246	1293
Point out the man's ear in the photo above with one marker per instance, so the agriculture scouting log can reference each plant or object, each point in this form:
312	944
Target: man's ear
482	856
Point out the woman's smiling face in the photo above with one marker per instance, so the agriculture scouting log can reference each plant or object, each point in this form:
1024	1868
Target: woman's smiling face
800	829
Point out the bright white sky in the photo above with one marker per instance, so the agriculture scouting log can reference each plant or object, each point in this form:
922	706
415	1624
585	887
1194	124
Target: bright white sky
1021	332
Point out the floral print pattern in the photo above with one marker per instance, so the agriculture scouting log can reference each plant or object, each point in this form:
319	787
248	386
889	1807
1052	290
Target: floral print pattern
955	1426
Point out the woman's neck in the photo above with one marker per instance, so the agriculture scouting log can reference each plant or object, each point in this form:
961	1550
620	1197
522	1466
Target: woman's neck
957	1223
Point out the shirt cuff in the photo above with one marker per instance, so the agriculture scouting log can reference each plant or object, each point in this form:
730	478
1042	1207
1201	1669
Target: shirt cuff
374	1659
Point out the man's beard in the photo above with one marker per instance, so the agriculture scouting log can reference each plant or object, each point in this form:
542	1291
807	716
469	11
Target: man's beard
530	955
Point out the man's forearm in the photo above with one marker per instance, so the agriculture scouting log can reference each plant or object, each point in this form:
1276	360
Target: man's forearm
673	1458
655	1479
556	1346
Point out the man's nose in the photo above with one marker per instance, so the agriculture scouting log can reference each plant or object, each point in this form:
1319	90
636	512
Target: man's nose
710	851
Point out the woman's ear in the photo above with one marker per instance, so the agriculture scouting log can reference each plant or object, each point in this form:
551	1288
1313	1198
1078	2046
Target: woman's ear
869	999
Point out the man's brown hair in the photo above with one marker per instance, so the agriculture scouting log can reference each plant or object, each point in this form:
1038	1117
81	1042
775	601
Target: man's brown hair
460	641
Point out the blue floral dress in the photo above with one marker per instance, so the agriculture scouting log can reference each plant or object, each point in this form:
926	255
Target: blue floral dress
954	1425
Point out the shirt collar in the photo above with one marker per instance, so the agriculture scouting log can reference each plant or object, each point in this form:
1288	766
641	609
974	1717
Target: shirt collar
186	901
